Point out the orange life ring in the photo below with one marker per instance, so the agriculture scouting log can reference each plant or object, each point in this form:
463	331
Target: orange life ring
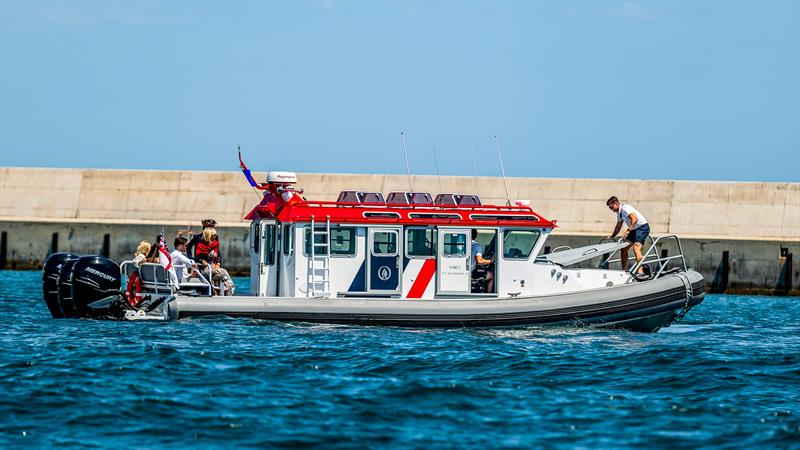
133	289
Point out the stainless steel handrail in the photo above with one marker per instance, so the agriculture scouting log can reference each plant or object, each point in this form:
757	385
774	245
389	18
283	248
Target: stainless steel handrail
657	259
220	288
619	260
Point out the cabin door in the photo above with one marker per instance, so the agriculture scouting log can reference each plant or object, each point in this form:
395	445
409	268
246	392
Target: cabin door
383	260
454	276
263	270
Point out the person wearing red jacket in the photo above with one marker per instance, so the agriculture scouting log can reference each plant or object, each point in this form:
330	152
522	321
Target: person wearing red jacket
208	248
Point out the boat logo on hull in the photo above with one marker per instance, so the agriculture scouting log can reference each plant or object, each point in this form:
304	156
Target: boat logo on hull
384	273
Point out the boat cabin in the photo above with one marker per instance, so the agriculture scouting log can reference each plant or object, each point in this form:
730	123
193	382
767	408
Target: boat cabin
404	247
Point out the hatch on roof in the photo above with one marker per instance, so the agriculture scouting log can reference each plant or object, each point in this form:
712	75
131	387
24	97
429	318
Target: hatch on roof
409	198
360	197
457	199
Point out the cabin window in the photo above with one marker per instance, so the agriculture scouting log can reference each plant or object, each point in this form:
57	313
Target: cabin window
269	245
384	242
343	241
288	240
455	244
434	216
256	237
381	215
420	242
494	217
518	244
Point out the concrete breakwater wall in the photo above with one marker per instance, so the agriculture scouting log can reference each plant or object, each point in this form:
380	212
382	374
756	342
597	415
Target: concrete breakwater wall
741	236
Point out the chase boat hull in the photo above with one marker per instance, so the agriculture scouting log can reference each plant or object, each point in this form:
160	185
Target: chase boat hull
641	306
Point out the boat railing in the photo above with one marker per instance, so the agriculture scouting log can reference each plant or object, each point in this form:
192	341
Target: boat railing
653	256
610	258
169	285
204	282
220	288
427	206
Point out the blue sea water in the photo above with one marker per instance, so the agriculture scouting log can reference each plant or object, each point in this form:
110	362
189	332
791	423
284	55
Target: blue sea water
727	376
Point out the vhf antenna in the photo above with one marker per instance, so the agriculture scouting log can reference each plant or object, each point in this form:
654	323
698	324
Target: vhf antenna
502	170
405	155
436	161
475	166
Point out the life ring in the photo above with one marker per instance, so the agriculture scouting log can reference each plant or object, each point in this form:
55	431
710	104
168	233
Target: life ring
133	290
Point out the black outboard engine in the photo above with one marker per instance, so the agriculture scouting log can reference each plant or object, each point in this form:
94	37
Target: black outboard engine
65	289
51	271
96	278
71	283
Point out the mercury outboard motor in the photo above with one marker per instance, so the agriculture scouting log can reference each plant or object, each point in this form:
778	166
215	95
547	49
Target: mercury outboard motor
65	289
51	271
96	278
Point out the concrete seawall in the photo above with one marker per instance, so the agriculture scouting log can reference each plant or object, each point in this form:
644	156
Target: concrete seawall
741	236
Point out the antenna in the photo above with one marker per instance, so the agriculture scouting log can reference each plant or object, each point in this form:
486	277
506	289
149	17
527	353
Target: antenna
502	170
436	161
475	166
405	154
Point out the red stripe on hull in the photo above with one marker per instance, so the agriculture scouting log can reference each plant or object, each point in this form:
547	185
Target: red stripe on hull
423	279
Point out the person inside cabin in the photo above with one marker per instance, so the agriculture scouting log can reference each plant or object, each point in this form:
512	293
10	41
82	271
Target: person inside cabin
477	263
636	229
183	264
141	253
208	254
190	246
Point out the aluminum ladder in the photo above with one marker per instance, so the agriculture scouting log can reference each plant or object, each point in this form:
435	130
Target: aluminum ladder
319	270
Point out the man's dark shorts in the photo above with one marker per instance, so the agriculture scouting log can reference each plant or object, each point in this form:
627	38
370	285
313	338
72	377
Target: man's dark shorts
639	235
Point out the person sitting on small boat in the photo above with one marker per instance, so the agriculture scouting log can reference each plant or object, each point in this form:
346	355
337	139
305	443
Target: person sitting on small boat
190	246
182	262
636	229
141	253
208	254
477	260
152	255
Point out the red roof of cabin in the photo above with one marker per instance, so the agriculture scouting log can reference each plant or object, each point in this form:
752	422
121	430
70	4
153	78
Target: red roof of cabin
300	210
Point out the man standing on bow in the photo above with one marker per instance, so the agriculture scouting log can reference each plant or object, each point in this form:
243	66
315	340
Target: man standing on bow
636	229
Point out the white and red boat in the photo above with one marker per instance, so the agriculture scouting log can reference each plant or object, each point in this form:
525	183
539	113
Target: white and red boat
402	260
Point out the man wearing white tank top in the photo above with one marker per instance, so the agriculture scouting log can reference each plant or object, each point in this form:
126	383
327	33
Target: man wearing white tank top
636	229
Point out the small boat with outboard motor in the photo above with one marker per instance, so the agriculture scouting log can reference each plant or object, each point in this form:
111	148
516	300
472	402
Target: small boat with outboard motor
403	260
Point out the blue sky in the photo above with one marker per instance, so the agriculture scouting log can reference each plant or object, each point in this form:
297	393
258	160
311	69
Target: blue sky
656	90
